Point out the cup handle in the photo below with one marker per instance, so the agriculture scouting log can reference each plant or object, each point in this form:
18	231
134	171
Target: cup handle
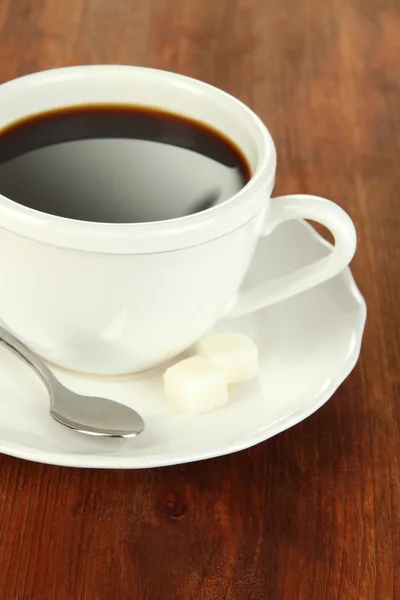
301	206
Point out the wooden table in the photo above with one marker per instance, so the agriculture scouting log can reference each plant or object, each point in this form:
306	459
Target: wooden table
314	513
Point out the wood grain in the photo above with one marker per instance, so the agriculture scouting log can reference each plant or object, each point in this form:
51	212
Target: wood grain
314	513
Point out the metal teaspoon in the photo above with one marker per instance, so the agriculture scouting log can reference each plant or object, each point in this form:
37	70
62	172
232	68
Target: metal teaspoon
86	414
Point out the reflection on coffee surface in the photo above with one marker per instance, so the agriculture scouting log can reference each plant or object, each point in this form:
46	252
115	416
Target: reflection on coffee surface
118	164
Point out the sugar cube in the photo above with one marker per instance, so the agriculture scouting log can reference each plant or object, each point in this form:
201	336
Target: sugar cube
235	354
195	385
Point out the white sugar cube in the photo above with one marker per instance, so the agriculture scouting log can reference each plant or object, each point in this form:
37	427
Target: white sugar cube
195	385
233	353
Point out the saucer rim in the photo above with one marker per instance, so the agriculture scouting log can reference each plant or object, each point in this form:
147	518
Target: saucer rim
305	407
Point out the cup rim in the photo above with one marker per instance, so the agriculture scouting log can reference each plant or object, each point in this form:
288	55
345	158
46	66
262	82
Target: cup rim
147	237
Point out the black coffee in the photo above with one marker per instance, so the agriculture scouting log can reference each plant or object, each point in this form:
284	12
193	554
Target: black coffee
121	164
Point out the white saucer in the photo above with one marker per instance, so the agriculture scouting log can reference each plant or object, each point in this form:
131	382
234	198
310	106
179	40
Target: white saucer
308	345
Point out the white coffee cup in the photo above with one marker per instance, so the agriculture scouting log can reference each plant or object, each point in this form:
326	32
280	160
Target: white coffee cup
111	298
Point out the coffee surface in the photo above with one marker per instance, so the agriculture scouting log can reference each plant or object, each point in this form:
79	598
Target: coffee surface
118	164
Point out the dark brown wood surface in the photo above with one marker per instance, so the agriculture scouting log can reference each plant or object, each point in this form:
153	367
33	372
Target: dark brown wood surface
315	512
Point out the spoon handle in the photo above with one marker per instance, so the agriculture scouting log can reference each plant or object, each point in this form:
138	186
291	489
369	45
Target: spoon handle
18	348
